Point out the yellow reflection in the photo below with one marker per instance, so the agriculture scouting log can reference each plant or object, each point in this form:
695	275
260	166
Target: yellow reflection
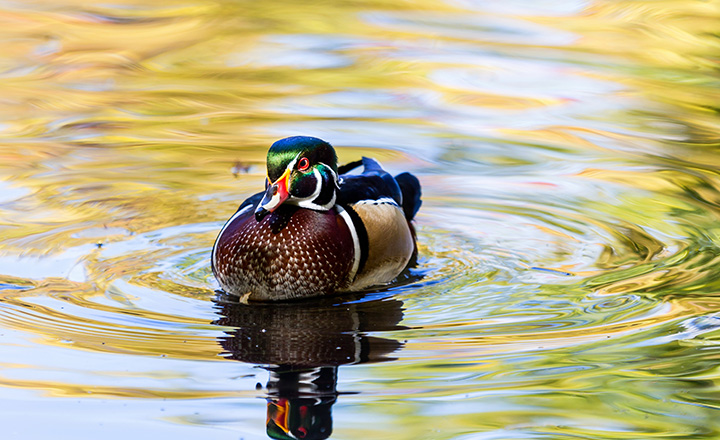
61	389
121	126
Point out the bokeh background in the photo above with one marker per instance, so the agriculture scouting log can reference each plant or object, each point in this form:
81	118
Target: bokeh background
567	285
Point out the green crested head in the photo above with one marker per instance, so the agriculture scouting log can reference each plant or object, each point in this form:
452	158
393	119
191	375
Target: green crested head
301	170
283	152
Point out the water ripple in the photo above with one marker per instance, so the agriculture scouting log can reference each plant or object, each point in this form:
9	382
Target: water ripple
566	282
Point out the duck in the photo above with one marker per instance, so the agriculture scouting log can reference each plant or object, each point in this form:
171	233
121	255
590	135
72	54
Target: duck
317	229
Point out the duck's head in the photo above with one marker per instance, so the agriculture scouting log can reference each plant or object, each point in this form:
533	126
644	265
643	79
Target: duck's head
302	171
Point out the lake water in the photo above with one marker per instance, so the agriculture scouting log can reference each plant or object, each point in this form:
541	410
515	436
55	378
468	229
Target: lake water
567	285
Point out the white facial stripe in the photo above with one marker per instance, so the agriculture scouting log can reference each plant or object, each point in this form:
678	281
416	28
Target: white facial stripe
292	163
335	177
318	184
307	202
356	241
329	168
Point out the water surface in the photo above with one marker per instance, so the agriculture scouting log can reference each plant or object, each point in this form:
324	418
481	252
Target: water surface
569	238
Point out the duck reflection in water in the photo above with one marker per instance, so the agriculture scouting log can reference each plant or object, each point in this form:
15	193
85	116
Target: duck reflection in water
302	345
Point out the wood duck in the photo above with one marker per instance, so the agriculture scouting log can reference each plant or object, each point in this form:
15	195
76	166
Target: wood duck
316	230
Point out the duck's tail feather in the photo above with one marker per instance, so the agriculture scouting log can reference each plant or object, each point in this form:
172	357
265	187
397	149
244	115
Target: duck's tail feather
411	192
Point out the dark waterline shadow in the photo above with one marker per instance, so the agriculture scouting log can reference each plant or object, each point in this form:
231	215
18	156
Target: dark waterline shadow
301	345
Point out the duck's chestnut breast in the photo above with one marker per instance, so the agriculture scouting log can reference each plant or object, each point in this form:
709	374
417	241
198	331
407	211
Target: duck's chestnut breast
290	253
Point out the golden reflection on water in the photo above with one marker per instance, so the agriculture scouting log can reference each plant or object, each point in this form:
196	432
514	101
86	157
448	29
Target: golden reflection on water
568	238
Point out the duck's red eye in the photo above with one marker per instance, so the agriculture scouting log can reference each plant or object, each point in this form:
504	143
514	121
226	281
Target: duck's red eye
303	164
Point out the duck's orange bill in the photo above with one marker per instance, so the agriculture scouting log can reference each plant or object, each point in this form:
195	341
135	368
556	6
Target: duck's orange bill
276	193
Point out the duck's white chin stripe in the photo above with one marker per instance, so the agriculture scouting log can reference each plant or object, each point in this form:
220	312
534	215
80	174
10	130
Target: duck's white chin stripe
273	203
356	242
309	204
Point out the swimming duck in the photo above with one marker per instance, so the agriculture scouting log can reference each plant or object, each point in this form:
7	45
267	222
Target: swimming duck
317	230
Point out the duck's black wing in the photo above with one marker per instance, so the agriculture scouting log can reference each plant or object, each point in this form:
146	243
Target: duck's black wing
376	184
